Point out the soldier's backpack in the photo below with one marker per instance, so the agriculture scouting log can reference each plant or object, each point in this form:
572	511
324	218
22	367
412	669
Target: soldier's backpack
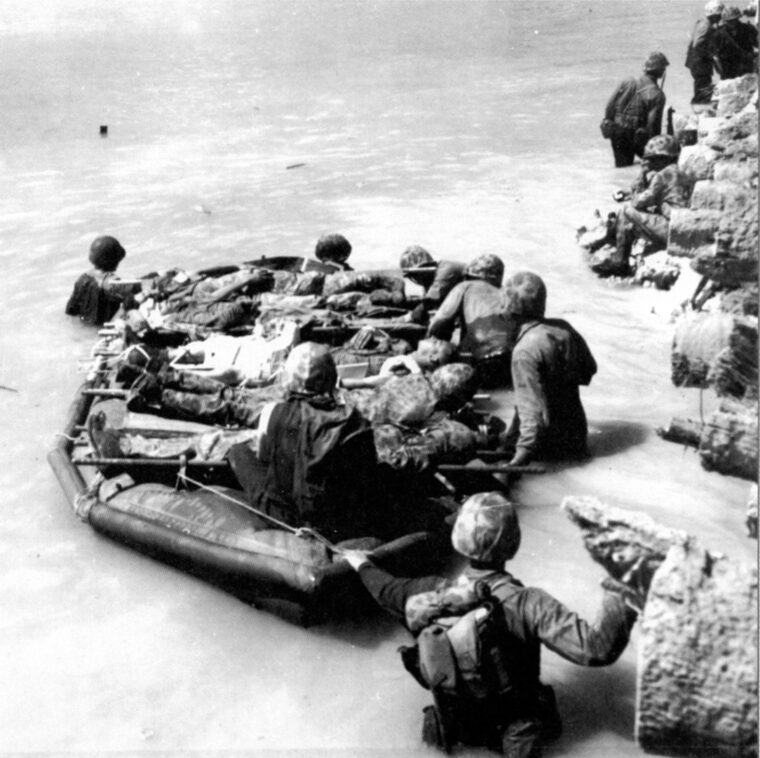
462	656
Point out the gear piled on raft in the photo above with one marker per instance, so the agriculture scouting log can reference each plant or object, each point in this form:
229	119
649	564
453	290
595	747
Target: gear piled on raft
248	422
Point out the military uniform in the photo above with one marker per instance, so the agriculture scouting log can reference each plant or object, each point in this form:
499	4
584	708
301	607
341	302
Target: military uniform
699	59
534	618
549	362
635	110
649	210
735	45
478	307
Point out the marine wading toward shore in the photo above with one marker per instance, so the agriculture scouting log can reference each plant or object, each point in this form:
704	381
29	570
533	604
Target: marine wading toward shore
261	424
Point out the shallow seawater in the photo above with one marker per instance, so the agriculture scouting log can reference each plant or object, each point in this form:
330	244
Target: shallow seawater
466	127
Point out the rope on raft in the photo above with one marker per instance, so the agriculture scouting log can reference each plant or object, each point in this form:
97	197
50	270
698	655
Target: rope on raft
303	532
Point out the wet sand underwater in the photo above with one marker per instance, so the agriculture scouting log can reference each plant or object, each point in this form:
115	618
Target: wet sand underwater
466	127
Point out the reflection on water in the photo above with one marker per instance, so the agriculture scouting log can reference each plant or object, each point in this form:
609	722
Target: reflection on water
465	127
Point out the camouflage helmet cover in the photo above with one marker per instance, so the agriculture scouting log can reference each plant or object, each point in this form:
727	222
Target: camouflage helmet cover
415	257
487	267
454	384
663	145
332	247
486	528
731	13
310	369
106	253
656	62
525	295
713	8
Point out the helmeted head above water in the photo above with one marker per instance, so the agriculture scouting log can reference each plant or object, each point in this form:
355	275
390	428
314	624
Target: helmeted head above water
488	267
656	63
433	352
415	257
332	248
662	146
732	13
106	253
525	295
454	385
310	370
713	9
486	529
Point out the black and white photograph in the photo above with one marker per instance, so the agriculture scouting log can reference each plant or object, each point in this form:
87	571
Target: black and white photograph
380	378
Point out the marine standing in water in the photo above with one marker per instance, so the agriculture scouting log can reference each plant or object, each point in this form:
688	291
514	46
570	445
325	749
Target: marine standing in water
634	111
550	361
518	712
476	306
93	299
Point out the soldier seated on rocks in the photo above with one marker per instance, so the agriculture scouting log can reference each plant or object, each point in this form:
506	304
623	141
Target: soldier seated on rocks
659	188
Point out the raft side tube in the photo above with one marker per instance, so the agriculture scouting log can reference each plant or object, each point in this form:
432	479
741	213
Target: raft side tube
244	574
59	458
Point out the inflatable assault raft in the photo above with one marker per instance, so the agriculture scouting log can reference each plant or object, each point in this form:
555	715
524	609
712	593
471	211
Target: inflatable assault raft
208	532
187	510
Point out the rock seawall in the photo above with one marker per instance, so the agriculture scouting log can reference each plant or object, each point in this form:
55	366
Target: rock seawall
716	334
697	669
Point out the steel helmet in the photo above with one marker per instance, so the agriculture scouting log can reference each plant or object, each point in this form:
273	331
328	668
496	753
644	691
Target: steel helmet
106	253
454	384
731	13
332	247
415	257
486	528
713	9
525	294
487	267
663	145
310	369
656	62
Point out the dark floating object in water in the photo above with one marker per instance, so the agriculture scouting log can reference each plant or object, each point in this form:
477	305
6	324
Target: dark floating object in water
103	130
295	165
9	389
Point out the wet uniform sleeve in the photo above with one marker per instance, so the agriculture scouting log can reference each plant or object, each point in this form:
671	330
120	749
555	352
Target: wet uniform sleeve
530	400
445	319
650	198
568	635
390	592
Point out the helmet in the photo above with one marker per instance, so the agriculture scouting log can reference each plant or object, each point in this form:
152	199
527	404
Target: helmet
663	145
656	62
434	352
332	247
488	267
415	257
310	369
731	13
525	295
454	385
486	528
713	9
106	253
